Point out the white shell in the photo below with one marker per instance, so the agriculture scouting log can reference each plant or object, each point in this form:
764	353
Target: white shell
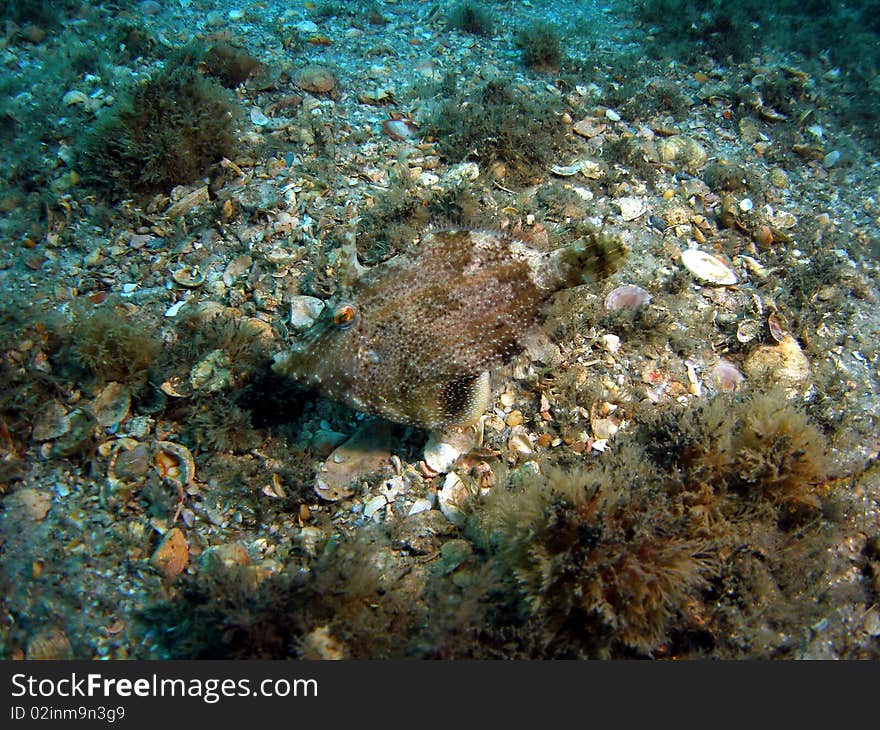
304	310
707	267
631	208
452	498
440	455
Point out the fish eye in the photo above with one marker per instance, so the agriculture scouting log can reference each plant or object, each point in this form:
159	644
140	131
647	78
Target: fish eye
344	316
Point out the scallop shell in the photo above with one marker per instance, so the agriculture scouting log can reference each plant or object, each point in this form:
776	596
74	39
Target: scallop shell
707	267
631	208
627	296
49	645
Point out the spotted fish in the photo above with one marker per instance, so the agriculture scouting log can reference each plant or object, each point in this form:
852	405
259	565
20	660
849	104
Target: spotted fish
413	339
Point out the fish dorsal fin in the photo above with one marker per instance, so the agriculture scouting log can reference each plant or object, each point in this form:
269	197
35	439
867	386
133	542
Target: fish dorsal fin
350	269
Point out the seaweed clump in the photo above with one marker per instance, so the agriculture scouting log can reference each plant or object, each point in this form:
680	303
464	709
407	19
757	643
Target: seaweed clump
599	559
471	18
111	347
346	606
635	556
166	131
540	45
509	131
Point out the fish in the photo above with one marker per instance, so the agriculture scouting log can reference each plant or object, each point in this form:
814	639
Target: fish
414	339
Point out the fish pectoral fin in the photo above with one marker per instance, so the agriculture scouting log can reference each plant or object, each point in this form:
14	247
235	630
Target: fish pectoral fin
455	401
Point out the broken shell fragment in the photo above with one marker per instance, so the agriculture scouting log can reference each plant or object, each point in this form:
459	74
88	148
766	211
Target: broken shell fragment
111	405
726	376
212	373
304	310
174	462
685	151
316	79
747	330
51	422
400	129
190	277
707	268
452	498
238	266
32	504
566	170
440	456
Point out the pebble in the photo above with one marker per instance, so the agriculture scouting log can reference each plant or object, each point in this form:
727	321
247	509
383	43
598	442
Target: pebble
611	342
227	555
306	27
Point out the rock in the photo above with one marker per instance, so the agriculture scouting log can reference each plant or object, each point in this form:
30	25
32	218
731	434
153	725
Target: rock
30	503
172	555
453	553
227	555
784	363
316	79
365	453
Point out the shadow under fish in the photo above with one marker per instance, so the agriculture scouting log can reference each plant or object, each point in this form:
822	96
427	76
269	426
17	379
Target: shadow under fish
413	339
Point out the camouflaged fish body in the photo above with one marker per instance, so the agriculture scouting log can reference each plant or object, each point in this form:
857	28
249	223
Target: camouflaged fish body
413	339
